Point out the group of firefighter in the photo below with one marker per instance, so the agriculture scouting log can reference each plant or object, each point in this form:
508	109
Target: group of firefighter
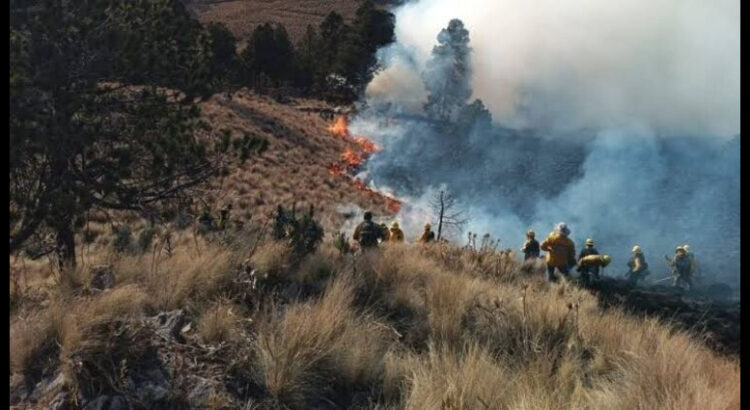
368	234
561	255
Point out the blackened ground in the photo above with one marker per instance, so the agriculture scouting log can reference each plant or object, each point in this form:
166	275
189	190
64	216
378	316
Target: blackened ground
708	311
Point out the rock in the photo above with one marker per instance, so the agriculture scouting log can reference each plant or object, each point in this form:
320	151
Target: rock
169	324
151	380
106	402
102	277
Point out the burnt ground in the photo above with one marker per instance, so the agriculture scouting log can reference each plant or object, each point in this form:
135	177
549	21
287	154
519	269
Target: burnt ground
709	311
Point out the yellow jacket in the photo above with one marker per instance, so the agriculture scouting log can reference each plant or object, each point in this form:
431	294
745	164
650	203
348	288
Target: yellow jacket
561	251
396	235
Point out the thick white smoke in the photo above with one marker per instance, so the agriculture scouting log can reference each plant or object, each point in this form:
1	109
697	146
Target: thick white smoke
673	64
651	88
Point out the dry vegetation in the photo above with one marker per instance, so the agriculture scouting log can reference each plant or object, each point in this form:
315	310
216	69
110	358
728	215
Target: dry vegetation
407	326
293	169
242	16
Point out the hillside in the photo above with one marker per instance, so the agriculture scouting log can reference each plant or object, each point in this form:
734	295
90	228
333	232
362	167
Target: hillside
242	16
413	327
297	165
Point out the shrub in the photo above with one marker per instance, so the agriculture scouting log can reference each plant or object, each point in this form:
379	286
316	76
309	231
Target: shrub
146	238
123	239
303	234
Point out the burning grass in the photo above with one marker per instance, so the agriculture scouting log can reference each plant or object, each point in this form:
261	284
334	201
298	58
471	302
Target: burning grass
303	161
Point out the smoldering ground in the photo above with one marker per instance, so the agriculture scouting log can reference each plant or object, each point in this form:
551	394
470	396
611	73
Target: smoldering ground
646	151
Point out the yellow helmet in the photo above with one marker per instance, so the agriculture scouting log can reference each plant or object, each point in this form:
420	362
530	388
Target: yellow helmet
394	225
427	227
589	242
606	260
636	249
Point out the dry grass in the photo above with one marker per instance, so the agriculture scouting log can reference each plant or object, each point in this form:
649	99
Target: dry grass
316	343
81	316
187	280
31	338
409	327
221	322
272	258
294	168
241	16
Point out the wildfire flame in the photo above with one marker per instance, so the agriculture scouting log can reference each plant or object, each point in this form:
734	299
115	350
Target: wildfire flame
351	160
367	146
340	127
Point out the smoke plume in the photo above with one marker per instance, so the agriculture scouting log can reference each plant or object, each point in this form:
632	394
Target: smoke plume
673	64
619	118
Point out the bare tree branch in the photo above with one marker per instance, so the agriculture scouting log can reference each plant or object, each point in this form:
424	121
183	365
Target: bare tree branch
449	212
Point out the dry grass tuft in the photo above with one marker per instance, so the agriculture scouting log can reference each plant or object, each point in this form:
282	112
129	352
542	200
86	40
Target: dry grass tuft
319	341
189	280
121	303
272	258
33	339
221	322
448	379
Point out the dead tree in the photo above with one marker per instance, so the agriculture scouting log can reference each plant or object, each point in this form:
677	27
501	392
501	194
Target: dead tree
449	212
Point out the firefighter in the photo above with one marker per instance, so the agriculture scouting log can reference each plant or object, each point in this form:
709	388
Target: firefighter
591	266
638	266
396	234
694	271
367	233
427	235
386	233
680	268
561	251
530	248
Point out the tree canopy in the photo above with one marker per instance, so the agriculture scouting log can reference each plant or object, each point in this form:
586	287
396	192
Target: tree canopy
102	112
447	76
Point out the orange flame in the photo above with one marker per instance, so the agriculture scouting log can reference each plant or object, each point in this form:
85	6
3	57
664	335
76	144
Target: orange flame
351	160
335	169
339	127
366	145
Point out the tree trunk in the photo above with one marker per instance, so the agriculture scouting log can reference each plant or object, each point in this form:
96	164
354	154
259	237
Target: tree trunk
66	246
440	218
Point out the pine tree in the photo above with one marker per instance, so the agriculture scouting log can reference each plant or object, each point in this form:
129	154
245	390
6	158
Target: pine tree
448	73
91	125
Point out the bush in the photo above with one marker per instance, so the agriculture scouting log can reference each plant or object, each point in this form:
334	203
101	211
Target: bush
123	239
303	234
146	238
